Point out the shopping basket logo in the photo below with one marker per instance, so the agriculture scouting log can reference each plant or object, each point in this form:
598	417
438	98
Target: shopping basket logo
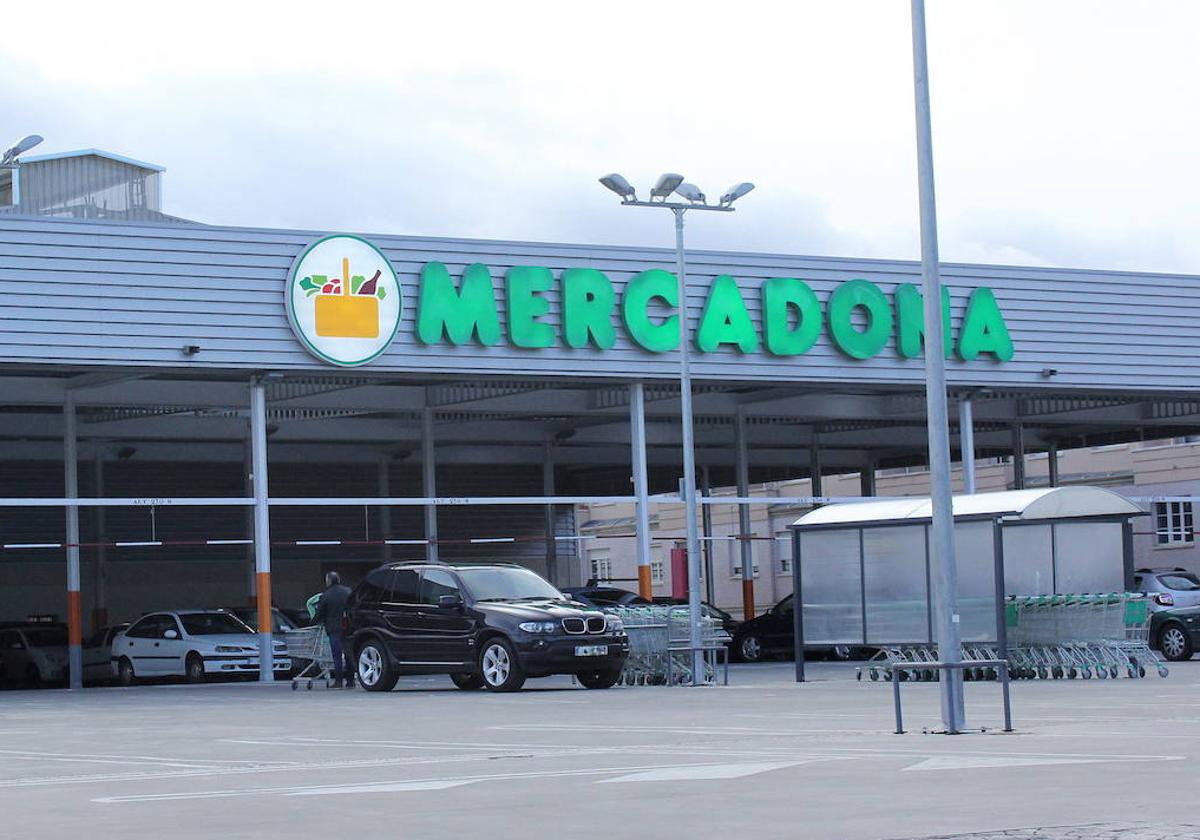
343	300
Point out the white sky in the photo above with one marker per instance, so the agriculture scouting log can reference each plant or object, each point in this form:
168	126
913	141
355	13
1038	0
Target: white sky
1064	132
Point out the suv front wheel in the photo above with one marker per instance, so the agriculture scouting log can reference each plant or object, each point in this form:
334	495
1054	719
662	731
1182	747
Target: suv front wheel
375	669
499	666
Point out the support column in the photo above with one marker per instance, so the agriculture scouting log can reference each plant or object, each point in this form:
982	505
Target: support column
251	550
814	466
1052	462
866	479
548	490
742	458
706	530
384	477
637	438
429	484
966	443
1018	449
100	611
262	527
74	604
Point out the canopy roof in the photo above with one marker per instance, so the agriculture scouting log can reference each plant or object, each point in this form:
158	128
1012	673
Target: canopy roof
1028	505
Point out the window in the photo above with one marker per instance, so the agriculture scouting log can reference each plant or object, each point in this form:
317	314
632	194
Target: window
658	571
435	583
1173	524
211	624
1180	582
735	557
151	627
375	587
601	563
404	586
781	547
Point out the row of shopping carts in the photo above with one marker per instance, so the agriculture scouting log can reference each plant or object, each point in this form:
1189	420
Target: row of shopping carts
1101	635
660	645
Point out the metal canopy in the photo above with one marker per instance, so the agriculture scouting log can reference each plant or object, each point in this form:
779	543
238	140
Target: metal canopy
1026	505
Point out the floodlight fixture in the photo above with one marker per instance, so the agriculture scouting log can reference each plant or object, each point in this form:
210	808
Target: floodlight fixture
19	148
735	192
619	185
665	185
691	192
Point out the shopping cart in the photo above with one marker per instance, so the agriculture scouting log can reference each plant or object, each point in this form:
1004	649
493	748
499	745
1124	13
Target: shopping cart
659	645
310	645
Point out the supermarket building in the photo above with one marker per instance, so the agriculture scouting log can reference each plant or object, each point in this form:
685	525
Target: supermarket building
193	414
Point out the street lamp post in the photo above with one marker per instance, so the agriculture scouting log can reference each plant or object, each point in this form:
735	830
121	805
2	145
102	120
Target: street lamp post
945	577
694	199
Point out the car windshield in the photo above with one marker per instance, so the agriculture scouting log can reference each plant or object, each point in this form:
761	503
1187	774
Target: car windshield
507	584
212	624
47	637
1180	581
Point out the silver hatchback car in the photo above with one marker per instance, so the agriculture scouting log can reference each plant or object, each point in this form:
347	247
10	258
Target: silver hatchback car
1168	588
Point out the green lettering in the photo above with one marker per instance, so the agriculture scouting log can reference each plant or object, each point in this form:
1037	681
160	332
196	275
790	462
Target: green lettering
588	300
910	322
526	286
660	336
983	328
781	296
864	295
457	312
725	319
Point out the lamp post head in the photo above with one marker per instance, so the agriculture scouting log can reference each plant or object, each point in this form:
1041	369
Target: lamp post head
619	185
691	192
19	148
735	192
666	184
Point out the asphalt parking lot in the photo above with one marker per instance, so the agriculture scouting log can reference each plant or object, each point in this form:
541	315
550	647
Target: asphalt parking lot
762	758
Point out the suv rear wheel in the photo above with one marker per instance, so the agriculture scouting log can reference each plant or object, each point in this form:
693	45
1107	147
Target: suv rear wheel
599	679
1175	643
375	669
499	666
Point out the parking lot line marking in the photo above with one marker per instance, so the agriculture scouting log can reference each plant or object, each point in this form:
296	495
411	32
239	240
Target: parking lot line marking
86	758
704	772
968	762
386	787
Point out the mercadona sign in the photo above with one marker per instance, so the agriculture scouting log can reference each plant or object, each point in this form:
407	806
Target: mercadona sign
344	302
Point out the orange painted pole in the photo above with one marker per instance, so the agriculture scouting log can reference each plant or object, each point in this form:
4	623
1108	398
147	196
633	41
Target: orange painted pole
645	584
748	598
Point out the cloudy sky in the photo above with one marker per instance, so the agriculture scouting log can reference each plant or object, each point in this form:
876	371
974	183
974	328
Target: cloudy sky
1065	132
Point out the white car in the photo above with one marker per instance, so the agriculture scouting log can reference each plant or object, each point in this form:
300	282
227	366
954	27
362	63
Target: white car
1168	588
190	643
33	654
98	664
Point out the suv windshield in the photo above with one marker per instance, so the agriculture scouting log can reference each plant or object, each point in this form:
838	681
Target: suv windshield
212	624
507	584
47	637
1180	581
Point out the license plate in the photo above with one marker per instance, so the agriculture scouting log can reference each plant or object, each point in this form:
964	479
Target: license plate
591	650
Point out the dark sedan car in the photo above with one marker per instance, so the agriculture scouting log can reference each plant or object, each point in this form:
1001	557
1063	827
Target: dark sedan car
1176	633
605	596
483	625
773	634
728	622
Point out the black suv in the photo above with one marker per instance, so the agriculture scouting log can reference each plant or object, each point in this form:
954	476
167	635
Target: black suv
489	625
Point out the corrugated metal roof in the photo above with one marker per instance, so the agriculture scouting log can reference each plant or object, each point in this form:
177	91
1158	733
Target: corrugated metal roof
154	167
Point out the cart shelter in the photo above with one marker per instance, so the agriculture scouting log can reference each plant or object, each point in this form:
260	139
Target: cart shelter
194	415
862	571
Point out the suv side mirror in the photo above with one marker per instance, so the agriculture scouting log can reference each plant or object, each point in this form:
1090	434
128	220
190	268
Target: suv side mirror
450	602
170	634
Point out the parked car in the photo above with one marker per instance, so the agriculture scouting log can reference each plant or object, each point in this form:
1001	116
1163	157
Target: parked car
194	644
728	622
98	664
280	622
1176	632
1168	587
605	596
489	625
773	634
298	617
34	654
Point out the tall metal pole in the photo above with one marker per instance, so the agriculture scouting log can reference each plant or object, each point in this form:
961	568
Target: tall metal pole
262	527
1052	463
966	442
384	480
641	485
548	490
689	461
942	531
706	529
742	461
100	608
74	601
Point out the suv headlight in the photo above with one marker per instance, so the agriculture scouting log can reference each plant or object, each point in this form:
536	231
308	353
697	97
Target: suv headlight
614	624
538	626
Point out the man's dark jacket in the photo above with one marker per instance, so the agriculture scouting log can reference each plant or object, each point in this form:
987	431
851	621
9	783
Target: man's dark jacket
332	607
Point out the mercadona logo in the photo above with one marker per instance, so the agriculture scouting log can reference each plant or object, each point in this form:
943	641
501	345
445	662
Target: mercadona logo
343	300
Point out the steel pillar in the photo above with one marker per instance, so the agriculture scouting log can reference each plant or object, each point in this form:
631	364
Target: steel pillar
1018	456
429	484
814	467
548	490
74	603
706	528
742	460
637	438
866	479
384	477
1052	463
262	527
100	608
966	443
942	528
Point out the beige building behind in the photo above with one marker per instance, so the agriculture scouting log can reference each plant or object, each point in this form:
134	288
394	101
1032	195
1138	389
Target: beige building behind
1142	471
